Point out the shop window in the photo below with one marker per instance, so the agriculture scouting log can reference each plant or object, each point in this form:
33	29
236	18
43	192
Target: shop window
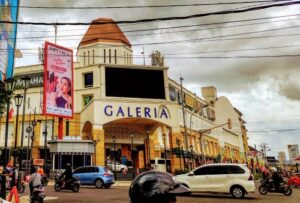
88	80
87	99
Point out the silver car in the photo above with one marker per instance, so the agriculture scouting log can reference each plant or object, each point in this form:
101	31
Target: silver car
117	166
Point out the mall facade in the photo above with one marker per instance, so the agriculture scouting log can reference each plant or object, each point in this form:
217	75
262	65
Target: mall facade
134	114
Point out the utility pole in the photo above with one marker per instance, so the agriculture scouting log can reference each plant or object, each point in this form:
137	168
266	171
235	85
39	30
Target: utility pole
184	123
264	148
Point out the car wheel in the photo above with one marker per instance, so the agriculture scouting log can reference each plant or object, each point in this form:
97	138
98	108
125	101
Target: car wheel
99	183
237	192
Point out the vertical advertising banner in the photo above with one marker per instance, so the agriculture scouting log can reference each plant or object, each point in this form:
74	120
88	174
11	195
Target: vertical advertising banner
58	81
8	31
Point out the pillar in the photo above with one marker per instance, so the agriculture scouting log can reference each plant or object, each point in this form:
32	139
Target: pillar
99	155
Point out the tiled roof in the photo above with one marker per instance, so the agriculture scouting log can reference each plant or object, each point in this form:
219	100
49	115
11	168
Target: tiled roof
109	31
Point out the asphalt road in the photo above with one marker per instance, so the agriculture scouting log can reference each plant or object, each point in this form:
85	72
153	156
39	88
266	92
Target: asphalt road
120	195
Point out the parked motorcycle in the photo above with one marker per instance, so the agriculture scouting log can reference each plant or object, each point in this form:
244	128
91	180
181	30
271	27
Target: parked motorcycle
73	185
267	186
38	194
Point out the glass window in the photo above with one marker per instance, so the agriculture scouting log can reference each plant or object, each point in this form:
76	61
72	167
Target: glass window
202	171
88	57
104	56
80	170
115	56
161	161
236	170
84	58
87	99
219	170
88	80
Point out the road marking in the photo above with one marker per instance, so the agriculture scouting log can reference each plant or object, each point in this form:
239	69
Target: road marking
26	197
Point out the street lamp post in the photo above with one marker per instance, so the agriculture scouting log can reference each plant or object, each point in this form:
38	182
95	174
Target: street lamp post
133	165
178	145
148	150
26	80
18	102
165	151
9	88
115	167
192	154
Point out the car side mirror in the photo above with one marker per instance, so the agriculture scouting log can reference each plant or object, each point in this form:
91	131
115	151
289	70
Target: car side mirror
191	174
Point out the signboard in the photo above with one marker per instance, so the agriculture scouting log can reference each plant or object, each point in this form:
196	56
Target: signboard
9	12
58	81
38	162
189	101
36	80
293	151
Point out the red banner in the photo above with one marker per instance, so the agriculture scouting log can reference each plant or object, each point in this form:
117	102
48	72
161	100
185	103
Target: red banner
58	81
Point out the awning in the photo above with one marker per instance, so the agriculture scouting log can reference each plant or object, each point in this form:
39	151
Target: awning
72	146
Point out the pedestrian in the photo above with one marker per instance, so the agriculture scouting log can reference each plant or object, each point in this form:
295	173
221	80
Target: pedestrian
35	180
155	187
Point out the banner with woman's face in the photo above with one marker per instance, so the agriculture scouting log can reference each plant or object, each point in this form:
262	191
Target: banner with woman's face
58	81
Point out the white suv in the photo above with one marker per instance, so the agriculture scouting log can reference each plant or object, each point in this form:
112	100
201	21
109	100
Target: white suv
224	178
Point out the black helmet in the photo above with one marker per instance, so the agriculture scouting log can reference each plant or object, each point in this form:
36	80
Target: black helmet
155	187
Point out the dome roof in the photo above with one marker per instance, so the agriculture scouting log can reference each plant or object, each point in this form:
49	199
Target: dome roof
106	31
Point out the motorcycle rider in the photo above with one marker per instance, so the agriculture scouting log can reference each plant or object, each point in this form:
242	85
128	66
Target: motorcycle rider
67	175
276	178
155	187
35	180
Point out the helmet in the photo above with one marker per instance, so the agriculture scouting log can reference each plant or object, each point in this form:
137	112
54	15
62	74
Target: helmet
273	169
155	186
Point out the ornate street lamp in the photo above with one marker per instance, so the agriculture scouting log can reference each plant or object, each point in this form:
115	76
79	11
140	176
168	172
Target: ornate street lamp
148	150
9	88
115	167
133	165
18	103
178	146
26	80
192	155
165	155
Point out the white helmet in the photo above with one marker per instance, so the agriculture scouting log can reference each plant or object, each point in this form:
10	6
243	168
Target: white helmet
273	169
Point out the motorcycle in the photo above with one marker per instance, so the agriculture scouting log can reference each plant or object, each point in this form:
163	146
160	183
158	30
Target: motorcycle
266	186
38	194
73	185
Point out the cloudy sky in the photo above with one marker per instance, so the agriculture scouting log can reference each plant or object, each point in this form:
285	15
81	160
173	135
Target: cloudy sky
226	51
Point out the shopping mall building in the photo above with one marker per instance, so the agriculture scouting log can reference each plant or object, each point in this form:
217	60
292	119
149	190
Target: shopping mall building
131	113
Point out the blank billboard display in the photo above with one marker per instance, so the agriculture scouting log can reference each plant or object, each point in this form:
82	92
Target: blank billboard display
134	83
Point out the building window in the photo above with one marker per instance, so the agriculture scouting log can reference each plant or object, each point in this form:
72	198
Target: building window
88	57
93	56
88	80
109	55
67	127
84	58
104	56
124	57
87	99
115	56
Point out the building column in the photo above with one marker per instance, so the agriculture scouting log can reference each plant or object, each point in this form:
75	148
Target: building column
99	155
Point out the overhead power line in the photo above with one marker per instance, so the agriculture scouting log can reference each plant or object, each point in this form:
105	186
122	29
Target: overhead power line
149	6
225	12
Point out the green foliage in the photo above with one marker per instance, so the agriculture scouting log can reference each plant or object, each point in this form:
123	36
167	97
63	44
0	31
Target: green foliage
3	99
